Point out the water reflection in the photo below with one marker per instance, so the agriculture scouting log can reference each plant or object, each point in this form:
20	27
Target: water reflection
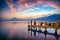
43	36
19	31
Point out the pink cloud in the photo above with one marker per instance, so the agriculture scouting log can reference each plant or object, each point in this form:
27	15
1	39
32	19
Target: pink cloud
11	6
32	4
25	4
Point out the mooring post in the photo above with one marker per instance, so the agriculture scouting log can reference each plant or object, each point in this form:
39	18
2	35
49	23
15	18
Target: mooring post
31	22
31	25
35	25
56	25
41	23
55	31
34	22
45	27
39	26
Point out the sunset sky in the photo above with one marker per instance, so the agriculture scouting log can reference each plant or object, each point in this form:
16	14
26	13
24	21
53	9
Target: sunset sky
24	9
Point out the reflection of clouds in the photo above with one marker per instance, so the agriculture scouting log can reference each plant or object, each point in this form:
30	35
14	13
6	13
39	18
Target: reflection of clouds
50	37
13	28
20	29
58	32
41	36
49	30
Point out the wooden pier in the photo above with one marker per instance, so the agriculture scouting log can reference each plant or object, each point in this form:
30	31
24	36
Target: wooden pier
32	25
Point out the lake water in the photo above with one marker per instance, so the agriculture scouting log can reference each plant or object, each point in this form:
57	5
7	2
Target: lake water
18	30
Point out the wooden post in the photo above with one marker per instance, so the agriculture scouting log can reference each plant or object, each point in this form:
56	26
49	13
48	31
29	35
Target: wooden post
39	26
41	23
35	25
31	22
34	22
56	25
56	31
45	27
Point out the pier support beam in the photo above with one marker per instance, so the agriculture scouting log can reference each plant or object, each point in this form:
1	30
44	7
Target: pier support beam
56	31
45	27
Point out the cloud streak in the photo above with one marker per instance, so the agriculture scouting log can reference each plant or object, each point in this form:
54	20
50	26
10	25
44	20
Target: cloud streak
25	6
51	4
31	4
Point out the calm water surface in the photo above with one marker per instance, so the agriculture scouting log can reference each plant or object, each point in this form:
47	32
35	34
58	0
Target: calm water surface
19	30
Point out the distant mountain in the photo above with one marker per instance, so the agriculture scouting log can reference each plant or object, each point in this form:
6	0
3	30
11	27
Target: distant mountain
51	18
15	19
12	19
